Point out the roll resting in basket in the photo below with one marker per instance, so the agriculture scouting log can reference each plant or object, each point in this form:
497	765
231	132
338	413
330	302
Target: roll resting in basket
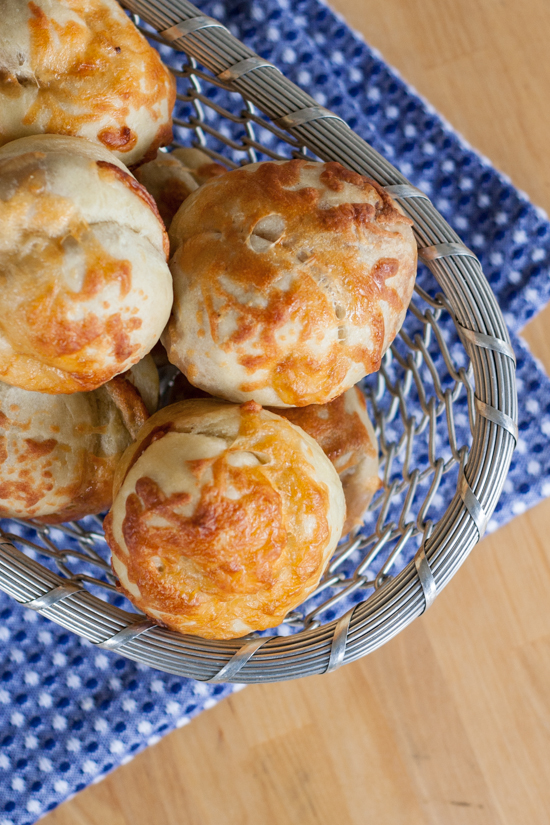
81	68
58	453
224	518
291	279
86	289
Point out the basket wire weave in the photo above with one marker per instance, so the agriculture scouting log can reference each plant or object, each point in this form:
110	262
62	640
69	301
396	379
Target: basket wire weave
414	399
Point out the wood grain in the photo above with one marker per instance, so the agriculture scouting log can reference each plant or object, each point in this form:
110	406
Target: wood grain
450	722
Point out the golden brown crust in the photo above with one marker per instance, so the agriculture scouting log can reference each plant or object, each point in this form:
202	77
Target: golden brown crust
92	495
291	280
338	429
344	432
223	518
85	288
58	454
207	171
337	433
166	179
198	164
80	67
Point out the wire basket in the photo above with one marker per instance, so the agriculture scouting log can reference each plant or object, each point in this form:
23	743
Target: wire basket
444	404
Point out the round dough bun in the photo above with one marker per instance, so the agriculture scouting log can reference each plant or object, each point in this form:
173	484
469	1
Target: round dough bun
343	430
58	453
85	287
172	176
291	279
224	518
80	67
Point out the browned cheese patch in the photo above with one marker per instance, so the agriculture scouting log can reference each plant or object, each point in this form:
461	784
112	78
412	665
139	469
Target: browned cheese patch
94	494
28	479
241	552
106	53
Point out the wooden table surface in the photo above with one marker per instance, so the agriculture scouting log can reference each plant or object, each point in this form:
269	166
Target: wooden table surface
449	723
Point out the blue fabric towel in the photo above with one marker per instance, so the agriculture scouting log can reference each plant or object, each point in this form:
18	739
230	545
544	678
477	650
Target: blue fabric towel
70	713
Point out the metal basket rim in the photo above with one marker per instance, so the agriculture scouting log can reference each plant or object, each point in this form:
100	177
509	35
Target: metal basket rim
479	320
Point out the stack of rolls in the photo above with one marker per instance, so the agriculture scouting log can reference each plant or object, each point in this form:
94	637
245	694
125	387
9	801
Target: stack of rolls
86	288
280	286
291	279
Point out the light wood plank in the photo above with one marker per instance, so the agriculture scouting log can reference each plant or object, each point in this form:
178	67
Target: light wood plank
450	722
484	65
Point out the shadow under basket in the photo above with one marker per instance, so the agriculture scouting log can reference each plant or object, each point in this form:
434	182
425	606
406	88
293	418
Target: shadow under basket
444	405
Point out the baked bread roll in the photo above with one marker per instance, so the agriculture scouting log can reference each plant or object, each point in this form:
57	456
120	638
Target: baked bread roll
291	279
80	67
224	518
343	430
58	453
172	176
85	287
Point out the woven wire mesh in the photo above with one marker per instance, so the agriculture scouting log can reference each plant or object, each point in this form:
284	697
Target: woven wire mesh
422	402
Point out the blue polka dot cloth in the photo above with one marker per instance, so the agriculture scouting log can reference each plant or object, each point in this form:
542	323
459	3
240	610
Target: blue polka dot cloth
70	713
